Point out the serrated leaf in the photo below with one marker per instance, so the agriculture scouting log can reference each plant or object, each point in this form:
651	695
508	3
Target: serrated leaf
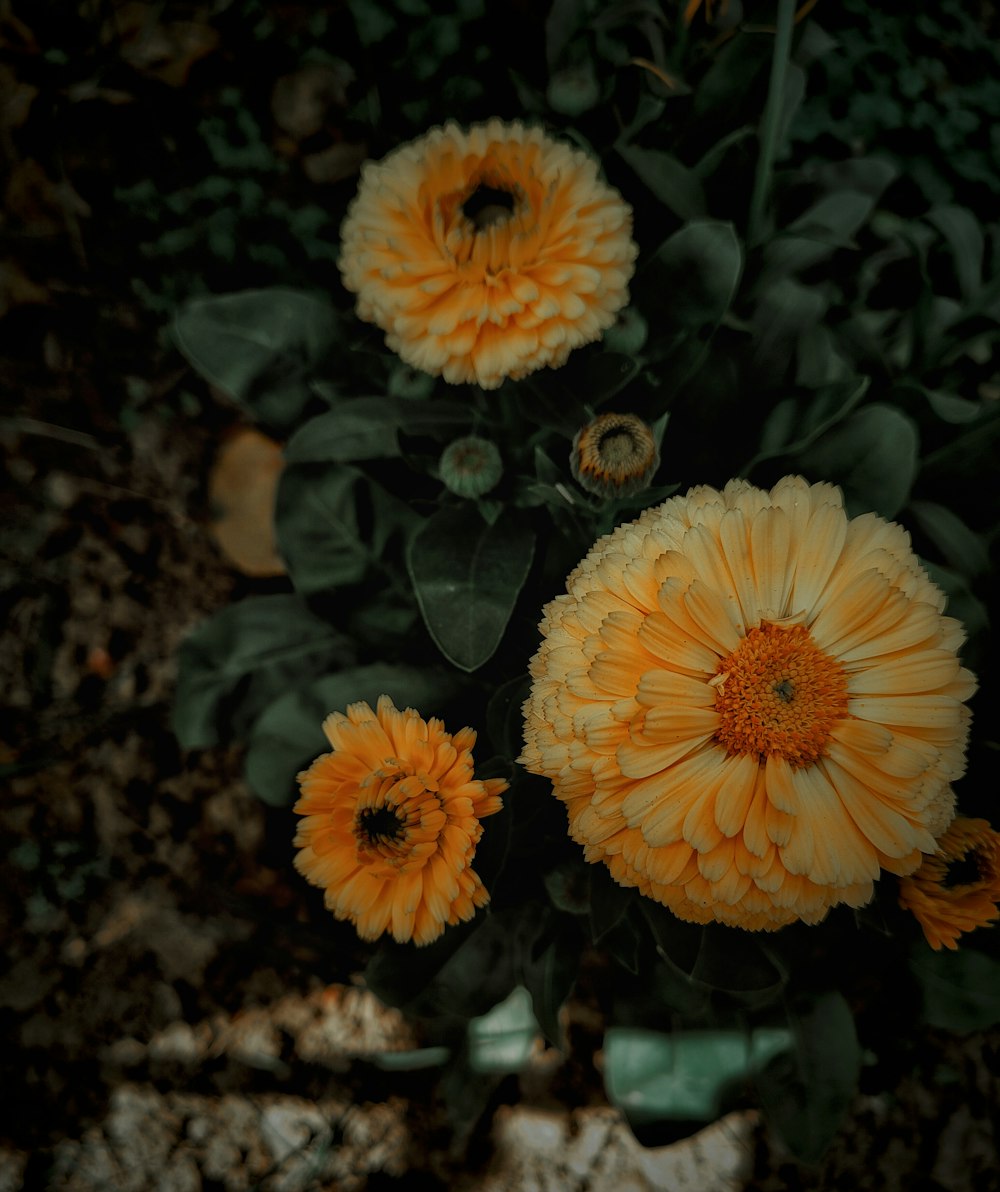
289	733
467	576
238	661
262	347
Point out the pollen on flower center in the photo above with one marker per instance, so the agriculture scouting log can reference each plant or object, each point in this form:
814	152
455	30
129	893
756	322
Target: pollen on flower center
778	693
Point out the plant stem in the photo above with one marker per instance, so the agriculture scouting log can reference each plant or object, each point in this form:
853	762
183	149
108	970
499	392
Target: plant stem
771	121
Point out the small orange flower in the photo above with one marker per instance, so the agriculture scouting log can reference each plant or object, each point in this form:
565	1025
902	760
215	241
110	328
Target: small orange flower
392	822
487	253
751	705
957	888
614	456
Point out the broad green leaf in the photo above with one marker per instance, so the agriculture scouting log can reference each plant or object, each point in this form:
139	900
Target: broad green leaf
959	546
872	455
609	902
332	524
289	734
467	576
239	660
951	408
807	1089
550	974
367	428
961	989
688	1075
964	237
827	225
502	1039
699	269
262	347
738	964
677	187
414	1060
794	424
783	310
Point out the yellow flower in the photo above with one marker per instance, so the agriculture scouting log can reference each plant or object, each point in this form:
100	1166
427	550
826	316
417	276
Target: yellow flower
957	888
750	704
391	822
614	456
487	253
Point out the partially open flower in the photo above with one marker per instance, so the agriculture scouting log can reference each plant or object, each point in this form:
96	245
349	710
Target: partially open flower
391	822
470	466
614	456
487	253
957	888
750	704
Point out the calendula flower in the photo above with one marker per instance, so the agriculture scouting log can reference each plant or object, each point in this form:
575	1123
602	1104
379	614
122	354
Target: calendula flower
750	704
614	456
470	466
957	888
487	253
391	822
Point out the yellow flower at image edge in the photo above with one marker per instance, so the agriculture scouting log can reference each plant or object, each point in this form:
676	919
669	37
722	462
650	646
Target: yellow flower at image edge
751	704
391	822
487	253
957	889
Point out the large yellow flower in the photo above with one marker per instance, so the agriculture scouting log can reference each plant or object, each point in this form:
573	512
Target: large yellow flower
487	253
750	704
392	822
958	888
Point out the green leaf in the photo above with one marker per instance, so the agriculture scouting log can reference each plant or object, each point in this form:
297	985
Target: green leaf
261	347
467	576
677	187
699	267
961	989
368	427
959	546
807	1090
289	734
551	974
504	722
685	1076
950	408
503	1039
332	525
794	424
872	455
609	902
964	238
828	225
784	309
415	1060
239	660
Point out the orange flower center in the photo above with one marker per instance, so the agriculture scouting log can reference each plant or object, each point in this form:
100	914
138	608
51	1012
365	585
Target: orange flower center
778	693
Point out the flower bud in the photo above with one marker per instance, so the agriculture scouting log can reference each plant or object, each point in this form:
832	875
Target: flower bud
614	456
470	466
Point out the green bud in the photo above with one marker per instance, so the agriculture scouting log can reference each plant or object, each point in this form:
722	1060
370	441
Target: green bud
408	382
628	333
470	467
574	90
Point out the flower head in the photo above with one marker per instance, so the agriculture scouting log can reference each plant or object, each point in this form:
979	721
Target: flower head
957	888
614	456
751	704
470	466
391	822
487	253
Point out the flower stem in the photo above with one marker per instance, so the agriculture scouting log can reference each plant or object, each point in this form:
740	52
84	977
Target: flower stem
771	121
